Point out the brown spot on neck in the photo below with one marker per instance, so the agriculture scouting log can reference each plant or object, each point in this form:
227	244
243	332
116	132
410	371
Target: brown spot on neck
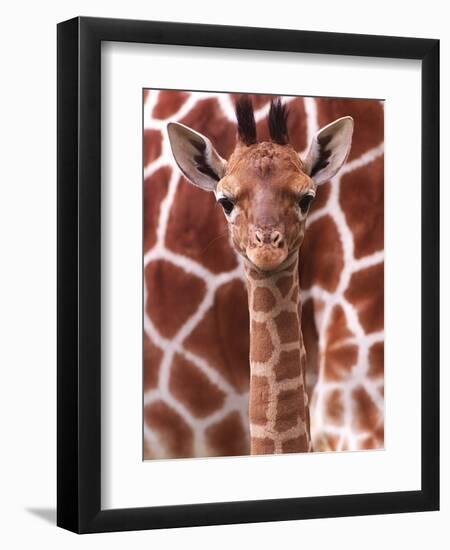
284	284
261	347
290	409
259	399
296	445
262	446
263	299
288	366
288	327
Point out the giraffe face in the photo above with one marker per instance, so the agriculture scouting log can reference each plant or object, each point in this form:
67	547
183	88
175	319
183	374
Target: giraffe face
265	196
265	189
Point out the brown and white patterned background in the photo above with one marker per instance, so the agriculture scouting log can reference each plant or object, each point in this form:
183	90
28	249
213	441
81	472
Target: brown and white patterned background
196	340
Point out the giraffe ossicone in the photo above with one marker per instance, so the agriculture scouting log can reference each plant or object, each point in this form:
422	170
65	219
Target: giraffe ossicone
265	190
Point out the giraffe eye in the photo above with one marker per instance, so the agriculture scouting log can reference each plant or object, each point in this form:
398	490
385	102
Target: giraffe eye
226	204
305	202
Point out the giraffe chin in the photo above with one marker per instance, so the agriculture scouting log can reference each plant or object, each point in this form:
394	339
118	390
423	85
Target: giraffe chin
267	258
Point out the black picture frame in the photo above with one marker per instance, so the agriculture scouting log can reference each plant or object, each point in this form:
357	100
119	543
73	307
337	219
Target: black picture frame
79	280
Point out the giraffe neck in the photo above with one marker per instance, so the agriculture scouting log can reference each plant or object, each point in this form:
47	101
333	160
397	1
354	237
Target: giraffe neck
278	402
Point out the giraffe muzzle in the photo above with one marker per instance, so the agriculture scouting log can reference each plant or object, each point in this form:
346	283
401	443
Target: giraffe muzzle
267	249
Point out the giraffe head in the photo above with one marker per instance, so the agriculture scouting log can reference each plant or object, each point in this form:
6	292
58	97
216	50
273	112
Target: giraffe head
264	188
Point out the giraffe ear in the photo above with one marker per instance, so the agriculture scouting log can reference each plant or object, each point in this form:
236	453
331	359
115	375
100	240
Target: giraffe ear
329	150
195	156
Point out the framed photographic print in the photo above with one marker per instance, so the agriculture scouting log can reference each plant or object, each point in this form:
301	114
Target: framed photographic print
248	308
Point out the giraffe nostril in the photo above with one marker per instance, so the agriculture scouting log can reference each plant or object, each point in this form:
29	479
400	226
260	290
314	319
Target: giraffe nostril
268	237
259	236
276	239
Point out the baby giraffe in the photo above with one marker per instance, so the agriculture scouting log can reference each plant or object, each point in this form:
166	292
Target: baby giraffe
265	190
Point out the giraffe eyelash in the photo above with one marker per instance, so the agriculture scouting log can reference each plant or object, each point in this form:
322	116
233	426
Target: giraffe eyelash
226	204
305	201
